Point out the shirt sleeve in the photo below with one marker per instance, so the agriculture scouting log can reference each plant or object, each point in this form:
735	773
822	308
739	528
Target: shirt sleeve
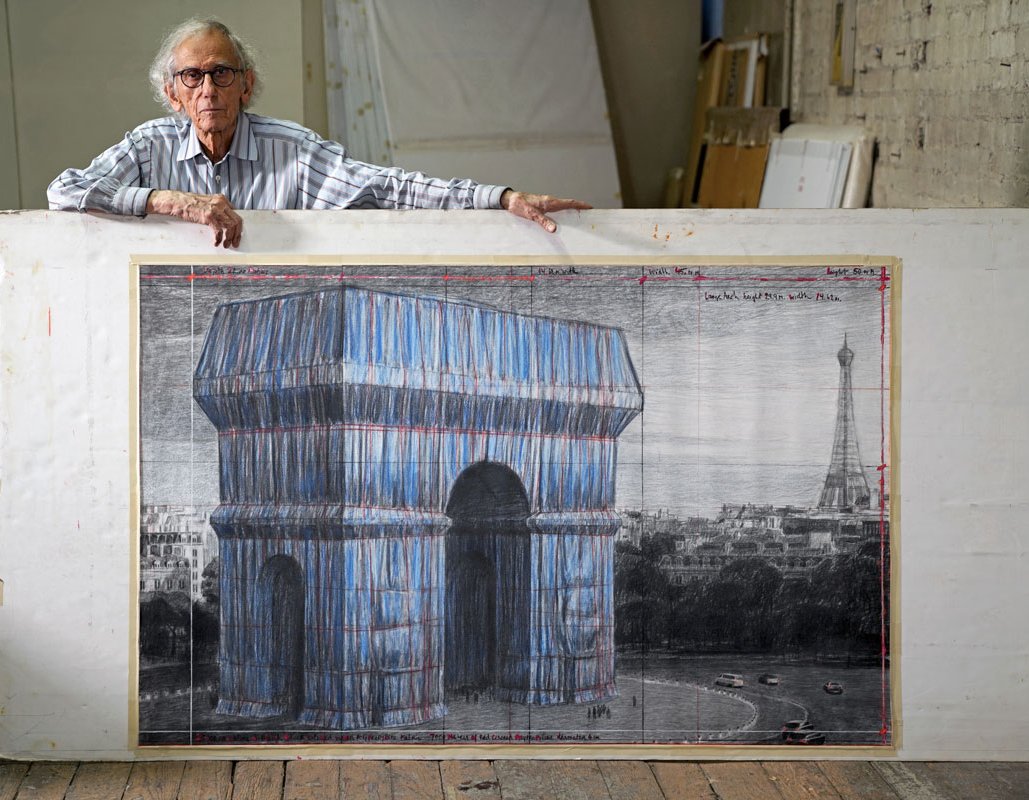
329	178
113	182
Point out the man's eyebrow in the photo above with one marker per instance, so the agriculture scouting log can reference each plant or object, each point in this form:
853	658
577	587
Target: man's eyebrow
219	64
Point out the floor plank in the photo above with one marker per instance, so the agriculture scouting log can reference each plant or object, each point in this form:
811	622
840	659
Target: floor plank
99	781
11	776
415	780
962	780
1013	776
578	780
154	780
523	780
366	780
257	780
740	780
800	780
681	779
206	780
311	780
905	782
856	780
46	780
474	780
630	780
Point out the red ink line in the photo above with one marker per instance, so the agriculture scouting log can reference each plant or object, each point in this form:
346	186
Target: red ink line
335	276
882	502
49	320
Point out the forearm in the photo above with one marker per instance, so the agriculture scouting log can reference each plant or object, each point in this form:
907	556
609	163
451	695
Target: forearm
76	190
113	182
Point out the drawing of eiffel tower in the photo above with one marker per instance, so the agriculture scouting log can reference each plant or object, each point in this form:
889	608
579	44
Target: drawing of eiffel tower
845	485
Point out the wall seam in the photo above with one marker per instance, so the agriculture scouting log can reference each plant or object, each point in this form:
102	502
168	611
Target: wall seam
14	104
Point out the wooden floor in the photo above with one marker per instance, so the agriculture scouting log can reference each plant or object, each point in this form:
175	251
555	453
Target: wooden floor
511	780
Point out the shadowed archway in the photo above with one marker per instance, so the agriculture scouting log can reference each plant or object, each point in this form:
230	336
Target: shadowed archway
282	596
487	553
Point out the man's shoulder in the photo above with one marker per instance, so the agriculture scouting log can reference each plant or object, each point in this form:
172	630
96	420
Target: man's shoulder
272	127
289	131
163	126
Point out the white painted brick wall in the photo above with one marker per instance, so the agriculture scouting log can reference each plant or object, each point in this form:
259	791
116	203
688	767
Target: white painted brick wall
943	85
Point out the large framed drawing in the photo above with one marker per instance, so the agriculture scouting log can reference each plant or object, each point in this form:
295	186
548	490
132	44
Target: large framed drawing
603	502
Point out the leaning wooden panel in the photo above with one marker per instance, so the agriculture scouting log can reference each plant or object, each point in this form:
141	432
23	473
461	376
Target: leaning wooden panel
460	508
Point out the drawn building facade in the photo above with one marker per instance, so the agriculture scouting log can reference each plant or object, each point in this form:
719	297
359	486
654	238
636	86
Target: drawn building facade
173	549
416	495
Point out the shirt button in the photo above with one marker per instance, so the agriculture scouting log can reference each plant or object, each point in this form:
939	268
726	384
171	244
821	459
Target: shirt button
217	178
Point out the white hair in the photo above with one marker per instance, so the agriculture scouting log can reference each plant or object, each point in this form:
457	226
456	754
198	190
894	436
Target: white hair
162	70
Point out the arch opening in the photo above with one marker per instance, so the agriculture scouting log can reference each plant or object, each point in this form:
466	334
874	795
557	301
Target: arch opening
282	599
487	557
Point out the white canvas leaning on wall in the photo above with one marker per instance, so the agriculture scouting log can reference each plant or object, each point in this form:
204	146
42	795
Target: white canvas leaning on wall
499	92
805	173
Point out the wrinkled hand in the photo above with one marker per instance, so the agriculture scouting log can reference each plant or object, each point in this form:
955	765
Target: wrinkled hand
212	210
536	206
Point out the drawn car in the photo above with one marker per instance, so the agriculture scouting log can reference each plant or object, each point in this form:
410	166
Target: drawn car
729	679
807	738
796	727
769	679
833	687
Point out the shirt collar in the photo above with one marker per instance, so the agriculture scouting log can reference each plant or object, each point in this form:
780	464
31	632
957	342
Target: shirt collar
243	147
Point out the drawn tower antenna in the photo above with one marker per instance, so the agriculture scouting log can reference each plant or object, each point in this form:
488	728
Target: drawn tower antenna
845	485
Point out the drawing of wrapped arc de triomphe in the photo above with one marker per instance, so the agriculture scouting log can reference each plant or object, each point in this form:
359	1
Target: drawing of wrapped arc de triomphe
416	495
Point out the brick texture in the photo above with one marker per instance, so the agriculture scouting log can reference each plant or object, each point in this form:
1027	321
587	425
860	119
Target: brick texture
944	87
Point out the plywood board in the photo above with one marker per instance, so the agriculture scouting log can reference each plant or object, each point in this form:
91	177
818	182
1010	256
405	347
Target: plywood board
733	176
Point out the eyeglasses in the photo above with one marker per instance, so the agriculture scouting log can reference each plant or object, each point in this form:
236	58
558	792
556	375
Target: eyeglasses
192	77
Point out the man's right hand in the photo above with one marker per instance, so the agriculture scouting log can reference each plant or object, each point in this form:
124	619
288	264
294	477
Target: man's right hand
212	210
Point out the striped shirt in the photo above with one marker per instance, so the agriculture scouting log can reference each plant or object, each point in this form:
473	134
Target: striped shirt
271	164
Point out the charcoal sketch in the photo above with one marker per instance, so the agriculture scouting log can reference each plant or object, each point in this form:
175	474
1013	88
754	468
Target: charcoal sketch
440	504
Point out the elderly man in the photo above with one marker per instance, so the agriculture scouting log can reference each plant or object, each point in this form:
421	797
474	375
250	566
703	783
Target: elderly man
215	157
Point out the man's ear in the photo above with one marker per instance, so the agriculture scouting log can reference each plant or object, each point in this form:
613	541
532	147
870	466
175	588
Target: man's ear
248	88
169	92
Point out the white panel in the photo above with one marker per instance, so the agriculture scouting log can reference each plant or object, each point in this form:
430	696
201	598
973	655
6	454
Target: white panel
805	173
80	73
964	421
471	82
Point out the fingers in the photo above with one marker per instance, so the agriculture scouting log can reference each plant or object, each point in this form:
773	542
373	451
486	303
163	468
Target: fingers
534	206
563	204
217	213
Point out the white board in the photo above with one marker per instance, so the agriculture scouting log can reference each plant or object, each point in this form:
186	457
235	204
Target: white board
65	548
805	173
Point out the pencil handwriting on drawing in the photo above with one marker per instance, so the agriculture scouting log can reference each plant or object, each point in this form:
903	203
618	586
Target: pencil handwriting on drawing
731	295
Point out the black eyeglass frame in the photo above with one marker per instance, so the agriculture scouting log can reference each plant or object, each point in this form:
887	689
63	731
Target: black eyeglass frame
203	73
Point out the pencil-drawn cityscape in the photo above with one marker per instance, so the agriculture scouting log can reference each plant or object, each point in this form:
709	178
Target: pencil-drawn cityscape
537	504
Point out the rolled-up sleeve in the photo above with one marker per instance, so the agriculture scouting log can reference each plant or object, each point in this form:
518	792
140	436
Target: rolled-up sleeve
113	182
329	178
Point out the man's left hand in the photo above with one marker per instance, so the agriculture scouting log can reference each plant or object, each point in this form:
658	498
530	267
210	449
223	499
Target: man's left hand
536	206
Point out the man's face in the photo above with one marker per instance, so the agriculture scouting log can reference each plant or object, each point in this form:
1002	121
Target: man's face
213	109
